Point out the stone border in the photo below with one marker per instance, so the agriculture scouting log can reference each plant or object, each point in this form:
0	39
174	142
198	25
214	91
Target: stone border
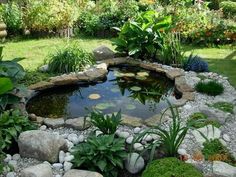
99	72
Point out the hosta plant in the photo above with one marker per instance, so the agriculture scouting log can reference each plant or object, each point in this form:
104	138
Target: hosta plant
12	123
142	37
104	154
105	123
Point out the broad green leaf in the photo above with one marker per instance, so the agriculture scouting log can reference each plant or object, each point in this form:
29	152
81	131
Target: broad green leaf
5	85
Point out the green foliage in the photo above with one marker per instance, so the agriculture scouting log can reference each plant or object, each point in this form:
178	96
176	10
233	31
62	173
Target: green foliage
103	153
10	73
224	106
12	123
98	19
171	138
171	167
229	8
200	26
199	120
211	88
213	148
171	52
12	17
49	15
69	59
143	36
105	123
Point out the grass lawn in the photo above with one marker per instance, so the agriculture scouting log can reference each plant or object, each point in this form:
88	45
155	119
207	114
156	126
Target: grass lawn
221	60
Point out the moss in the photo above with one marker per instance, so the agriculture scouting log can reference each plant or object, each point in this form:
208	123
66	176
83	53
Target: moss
199	120
169	167
215	150
224	106
211	88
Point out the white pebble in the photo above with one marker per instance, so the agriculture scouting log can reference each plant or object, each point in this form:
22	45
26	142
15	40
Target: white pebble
98	132
137	130
123	135
43	127
16	157
61	156
69	158
147	138
57	166
13	164
11	174
8	158
226	137
138	146
73	138
67	166
129	140
182	152
81	138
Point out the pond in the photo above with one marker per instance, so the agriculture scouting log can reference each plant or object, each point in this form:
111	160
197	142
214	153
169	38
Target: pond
133	90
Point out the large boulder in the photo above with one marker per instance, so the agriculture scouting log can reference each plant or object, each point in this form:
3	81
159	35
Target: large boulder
41	145
102	53
41	170
134	163
81	173
223	169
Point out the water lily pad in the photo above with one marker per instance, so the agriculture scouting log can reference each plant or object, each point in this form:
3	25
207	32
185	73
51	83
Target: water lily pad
115	90
129	74
140	78
103	106
135	88
143	74
130	107
94	96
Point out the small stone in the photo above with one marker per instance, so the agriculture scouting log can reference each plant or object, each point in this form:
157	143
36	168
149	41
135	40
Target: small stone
57	166
69	158
134	163
98	132
67	166
11	174
16	157
8	158
182	152
137	130
129	140
13	164
61	156
54	123
138	146
81	173
69	144
77	123
81	138
43	127
147	138
73	138
226	137
32	117
41	170
58	176
223	142
123	135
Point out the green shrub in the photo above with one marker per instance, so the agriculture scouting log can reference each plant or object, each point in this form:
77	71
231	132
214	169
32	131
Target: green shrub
229	8
224	106
142	37
103	153
215	150
12	123
211	88
49	15
69	59
170	167
105	123
199	120
12	17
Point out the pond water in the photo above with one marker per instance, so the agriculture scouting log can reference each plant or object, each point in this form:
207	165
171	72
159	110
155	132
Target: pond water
134	91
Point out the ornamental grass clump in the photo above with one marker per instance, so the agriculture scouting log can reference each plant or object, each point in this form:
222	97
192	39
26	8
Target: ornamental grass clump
69	59
211	88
